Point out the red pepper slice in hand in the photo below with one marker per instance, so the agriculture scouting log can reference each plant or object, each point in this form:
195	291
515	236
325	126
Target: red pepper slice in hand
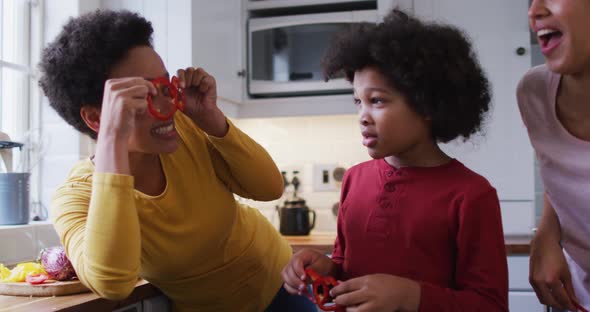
180	96
175	92
35	279
321	286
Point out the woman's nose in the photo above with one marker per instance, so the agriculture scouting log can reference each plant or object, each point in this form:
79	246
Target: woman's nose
537	9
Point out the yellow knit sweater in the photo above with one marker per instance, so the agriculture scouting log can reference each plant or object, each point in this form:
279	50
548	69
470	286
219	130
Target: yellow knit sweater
204	250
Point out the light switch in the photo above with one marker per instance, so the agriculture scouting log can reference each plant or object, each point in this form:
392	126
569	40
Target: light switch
323	179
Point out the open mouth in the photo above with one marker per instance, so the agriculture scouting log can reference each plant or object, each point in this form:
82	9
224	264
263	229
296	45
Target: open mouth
549	38
164	130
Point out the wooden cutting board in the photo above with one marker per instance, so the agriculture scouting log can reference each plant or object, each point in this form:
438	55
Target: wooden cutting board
42	290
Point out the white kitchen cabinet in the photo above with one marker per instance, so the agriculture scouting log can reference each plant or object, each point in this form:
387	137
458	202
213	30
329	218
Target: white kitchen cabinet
518	273
385	6
518	217
498	29
524	301
218	41
171	21
521	297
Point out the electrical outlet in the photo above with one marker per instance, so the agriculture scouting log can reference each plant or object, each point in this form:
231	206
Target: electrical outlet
323	178
290	173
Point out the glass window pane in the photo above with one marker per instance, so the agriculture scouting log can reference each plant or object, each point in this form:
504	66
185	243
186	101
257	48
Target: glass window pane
14	99
15	31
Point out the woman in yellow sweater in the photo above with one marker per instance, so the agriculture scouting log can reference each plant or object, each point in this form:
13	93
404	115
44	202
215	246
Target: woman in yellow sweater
156	200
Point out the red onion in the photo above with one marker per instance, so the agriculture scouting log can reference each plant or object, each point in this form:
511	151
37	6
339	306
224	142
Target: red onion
56	263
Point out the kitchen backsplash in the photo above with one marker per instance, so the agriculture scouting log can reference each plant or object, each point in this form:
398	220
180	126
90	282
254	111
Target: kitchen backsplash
300	143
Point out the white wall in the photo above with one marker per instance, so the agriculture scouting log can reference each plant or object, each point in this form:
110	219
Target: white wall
297	143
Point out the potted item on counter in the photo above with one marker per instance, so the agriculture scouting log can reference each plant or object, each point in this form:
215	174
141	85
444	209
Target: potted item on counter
14	187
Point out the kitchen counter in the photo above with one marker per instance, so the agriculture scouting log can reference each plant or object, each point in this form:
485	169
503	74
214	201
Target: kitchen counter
87	302
324	242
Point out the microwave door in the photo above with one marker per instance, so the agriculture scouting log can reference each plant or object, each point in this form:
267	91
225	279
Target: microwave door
285	53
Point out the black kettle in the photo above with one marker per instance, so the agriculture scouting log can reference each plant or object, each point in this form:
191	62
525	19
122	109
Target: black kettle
295	217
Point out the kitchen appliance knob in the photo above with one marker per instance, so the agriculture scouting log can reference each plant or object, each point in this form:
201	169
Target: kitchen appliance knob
520	51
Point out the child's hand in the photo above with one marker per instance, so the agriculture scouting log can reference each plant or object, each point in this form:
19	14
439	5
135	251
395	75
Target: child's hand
549	273
294	272
378	292
201	100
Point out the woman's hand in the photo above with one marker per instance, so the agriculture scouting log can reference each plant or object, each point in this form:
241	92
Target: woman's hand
549	273
201	101
124	99
378	293
294	272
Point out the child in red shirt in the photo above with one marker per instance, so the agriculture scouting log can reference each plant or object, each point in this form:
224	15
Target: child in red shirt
417	230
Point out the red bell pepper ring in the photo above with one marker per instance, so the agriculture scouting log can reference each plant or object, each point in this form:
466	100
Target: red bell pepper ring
180	96
579	307
35	279
174	91
321	286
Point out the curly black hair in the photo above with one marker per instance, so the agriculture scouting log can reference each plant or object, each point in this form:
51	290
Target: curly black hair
76	65
432	65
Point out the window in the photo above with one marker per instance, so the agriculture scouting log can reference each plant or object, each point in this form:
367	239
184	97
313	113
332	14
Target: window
20	50
20	44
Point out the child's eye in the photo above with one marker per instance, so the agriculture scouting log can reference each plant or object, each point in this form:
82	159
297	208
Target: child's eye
376	100
357	101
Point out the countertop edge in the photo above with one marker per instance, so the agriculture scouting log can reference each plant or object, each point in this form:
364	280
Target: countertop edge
143	290
324	242
78	302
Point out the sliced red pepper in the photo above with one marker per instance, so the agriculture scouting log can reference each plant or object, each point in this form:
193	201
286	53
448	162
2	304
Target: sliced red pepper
175	92
180	96
35	279
321	286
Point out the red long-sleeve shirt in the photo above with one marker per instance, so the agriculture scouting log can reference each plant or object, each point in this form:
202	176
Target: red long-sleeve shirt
440	226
